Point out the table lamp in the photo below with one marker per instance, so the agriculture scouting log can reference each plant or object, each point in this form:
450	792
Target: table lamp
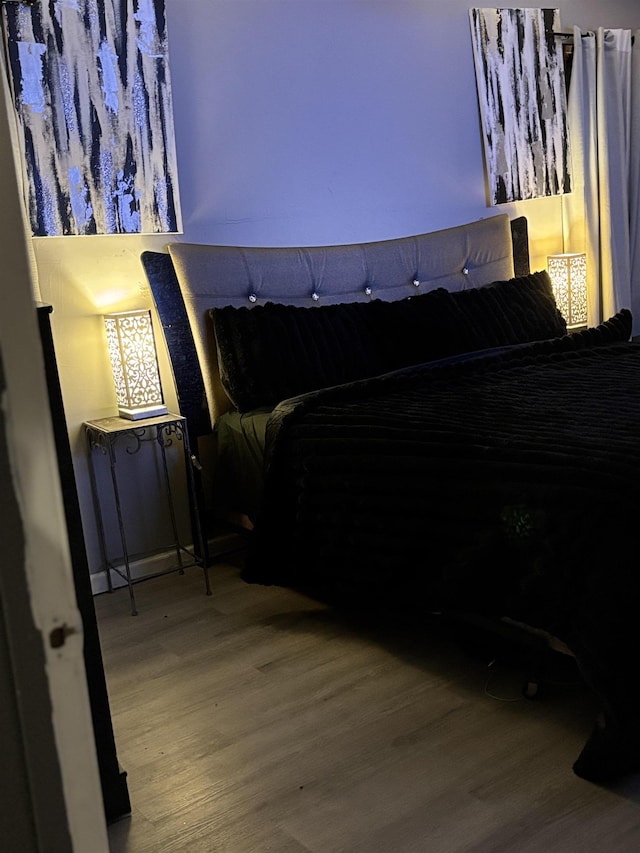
134	362
568	274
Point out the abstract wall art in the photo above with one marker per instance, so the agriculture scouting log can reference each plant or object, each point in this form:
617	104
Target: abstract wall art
523	106
92	93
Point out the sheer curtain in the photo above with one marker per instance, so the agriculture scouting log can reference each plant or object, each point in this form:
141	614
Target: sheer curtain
602	215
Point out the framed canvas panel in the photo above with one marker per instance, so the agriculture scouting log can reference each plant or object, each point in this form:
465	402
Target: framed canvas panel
523	102
92	93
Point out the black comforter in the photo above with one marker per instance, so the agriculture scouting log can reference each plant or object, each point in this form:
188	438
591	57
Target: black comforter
504	484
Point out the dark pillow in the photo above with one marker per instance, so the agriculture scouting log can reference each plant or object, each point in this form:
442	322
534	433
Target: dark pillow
516	311
271	352
442	323
421	328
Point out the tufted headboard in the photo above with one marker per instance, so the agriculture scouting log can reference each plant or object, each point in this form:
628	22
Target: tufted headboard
192	278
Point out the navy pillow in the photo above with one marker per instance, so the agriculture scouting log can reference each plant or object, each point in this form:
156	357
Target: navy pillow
442	323
516	311
270	352
421	328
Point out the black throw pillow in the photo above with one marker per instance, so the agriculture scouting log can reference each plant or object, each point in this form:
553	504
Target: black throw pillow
271	352
516	311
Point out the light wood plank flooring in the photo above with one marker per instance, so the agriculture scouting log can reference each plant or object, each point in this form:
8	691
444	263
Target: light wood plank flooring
258	720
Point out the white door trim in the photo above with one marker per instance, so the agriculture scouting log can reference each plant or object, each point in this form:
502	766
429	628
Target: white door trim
47	565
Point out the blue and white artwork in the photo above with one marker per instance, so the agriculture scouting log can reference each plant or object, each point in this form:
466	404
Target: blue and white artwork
92	93
522	97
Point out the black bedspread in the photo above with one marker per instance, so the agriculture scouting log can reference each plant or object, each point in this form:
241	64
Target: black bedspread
506	484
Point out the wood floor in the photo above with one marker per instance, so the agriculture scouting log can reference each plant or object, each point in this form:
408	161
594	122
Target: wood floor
258	720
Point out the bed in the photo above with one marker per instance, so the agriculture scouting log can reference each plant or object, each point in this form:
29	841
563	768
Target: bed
411	420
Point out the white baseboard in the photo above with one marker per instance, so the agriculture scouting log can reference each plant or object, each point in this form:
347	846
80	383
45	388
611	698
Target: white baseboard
161	561
139	568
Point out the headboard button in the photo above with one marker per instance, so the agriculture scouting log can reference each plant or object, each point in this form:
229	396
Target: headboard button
315	296
253	297
465	270
416	282
367	290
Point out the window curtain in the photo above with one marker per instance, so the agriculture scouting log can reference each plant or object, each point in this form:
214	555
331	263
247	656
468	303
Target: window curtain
602	215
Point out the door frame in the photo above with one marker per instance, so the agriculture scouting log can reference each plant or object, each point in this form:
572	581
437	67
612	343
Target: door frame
42	575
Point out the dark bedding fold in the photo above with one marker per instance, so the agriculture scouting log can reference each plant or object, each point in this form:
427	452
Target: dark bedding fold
506	485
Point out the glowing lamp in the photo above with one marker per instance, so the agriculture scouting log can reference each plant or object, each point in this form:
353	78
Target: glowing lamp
568	274
134	361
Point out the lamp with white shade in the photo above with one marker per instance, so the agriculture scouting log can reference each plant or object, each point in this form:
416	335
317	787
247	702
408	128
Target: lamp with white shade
134	361
568	274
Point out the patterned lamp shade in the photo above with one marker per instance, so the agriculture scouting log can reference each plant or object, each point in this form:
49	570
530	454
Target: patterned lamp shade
134	361
568	274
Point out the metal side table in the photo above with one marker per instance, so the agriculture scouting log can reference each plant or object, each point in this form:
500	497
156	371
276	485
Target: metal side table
103	436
